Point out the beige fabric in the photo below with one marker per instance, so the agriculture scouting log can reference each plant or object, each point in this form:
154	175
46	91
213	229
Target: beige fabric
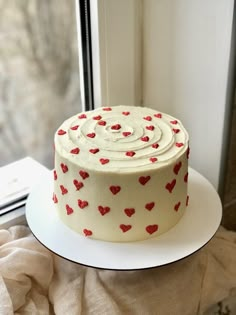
35	281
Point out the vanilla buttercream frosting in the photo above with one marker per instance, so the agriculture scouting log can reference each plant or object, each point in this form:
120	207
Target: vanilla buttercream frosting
121	172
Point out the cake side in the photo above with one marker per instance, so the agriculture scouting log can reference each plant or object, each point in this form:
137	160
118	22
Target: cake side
102	192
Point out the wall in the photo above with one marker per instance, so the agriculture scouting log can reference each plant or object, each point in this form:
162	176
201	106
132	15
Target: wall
186	50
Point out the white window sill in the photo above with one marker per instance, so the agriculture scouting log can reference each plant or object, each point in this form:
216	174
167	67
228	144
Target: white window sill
17	181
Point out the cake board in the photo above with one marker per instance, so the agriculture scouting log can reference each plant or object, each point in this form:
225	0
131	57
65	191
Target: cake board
195	229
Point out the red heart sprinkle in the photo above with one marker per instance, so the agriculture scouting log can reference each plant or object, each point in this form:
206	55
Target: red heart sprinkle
170	186
176	130
177	168
91	135
130	153
87	232
63	190
84	174
159	115
74	127
115	189
103	210
149	118
149	206
82	203
188	152
75	151
97	117
125	227
107	109
152	228
150	128
69	210
155	145
186	177
82	116
145	139
78	184
129	211
102	123
187	200
153	159
61	132
126	113
174	122
55	174
126	133
94	151
54	198
104	161
116	127
144	179
64	168
179	144
177	206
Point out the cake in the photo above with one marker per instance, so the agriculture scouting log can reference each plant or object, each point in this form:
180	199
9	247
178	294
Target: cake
121	173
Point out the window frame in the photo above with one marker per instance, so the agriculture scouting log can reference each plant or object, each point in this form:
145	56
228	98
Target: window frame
83	20
116	79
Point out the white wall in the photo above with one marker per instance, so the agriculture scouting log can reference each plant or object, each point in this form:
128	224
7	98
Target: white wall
185	69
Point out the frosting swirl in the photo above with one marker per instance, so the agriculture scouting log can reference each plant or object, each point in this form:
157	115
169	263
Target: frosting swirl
121	138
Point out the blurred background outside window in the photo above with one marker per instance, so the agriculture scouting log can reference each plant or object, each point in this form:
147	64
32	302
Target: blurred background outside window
39	76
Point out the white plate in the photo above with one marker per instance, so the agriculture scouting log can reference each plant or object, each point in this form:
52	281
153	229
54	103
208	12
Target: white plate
198	225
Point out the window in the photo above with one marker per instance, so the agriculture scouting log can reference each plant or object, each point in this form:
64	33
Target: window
39	76
47	72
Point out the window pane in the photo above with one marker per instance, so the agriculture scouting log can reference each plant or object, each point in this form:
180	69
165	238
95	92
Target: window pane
39	76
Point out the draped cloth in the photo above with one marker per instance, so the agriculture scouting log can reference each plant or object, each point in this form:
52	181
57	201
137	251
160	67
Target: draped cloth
33	280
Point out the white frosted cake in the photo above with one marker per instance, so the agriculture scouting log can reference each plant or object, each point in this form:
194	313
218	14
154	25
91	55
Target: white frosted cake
121	173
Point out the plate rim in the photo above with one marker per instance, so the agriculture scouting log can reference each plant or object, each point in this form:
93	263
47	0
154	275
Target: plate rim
192	171
124	269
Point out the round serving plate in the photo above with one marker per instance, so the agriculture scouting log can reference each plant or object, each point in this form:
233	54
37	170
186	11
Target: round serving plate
197	226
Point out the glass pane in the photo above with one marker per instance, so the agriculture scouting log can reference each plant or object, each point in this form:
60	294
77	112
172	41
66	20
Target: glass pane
39	76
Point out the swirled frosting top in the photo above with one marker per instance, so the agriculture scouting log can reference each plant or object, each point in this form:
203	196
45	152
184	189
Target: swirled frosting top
121	139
